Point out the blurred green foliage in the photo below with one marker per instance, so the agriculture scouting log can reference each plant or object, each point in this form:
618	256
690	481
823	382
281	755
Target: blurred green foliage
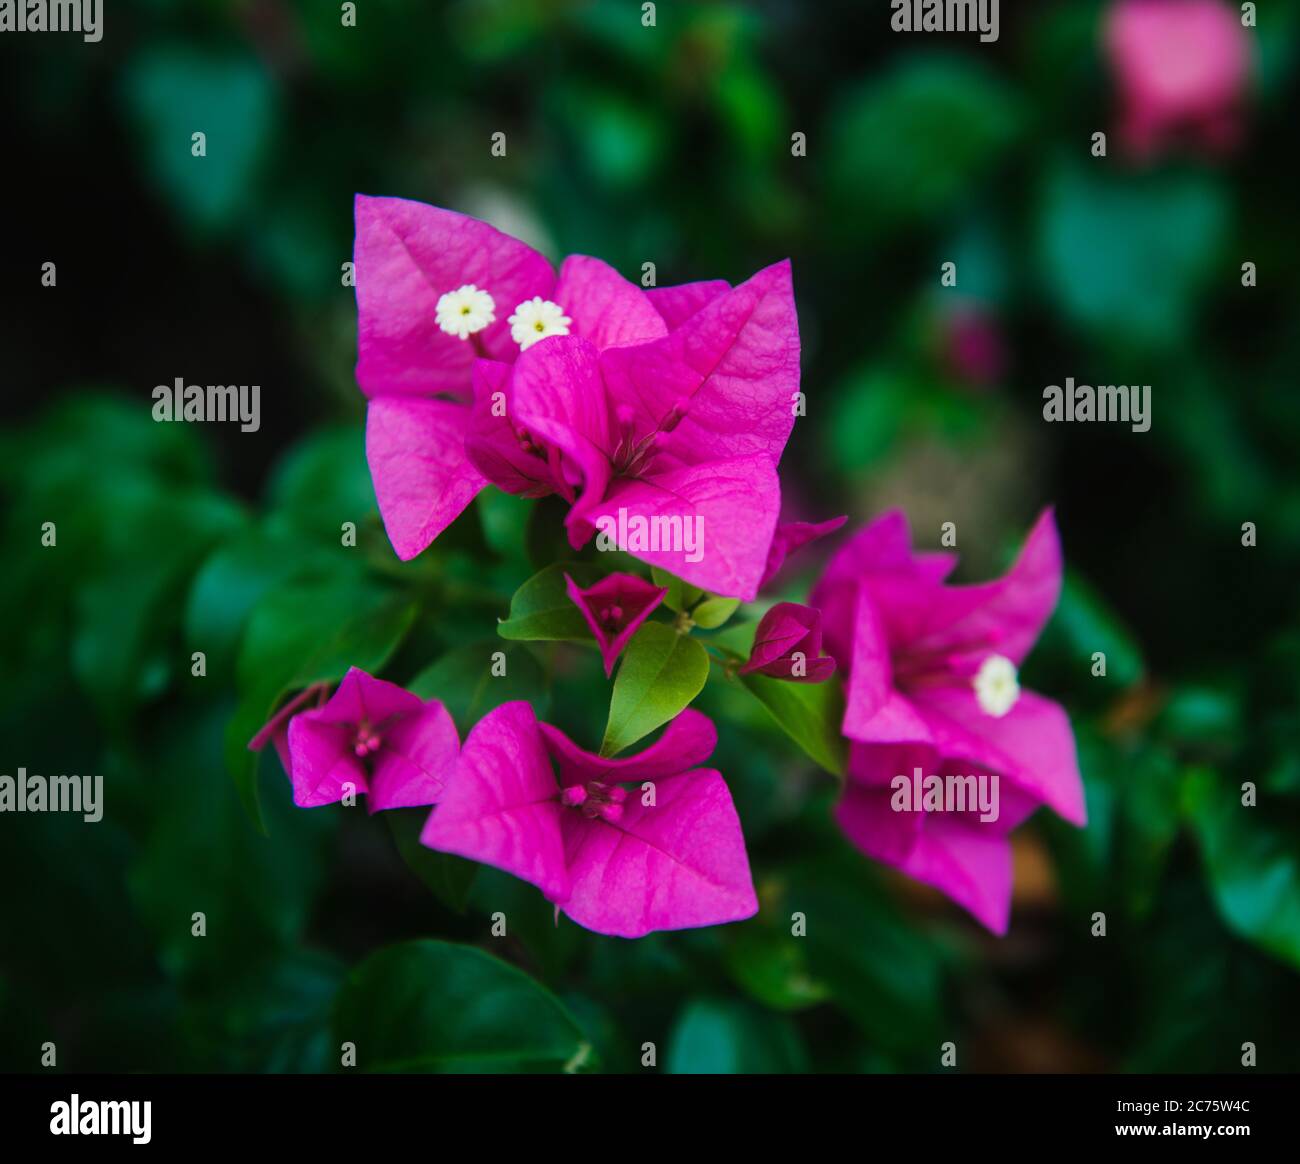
669	145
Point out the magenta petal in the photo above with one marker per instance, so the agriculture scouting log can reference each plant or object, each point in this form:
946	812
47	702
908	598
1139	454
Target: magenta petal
495	446
731	370
1031	746
687	740
678	864
732	506
321	761
361	698
632	599
677	304
501	805
557	395
790	536
789	628
407	256
1006	615
415	760
604	307
422	477
969	862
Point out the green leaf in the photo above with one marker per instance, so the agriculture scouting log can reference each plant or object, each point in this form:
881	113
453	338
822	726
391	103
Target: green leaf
882	971
919	136
809	713
661	673
681	595
1253	859
769	965
1128	258
541	609
450	878
724	1037
174	92
714	611
463	679
437	1006
302	633
1082	625
322	482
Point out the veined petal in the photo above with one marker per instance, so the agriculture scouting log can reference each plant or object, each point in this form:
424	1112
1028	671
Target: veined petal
717	520
422	477
501	805
605	308
407	256
676	864
1031	746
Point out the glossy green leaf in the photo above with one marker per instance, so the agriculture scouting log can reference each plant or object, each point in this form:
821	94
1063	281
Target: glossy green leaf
1253	858
661	672
441	1007
713	612
681	595
541	609
809	713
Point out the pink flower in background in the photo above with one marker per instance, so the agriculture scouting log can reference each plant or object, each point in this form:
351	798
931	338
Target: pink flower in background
932	670
615	607
1182	69
391	745
528	800
661	406
973	347
788	645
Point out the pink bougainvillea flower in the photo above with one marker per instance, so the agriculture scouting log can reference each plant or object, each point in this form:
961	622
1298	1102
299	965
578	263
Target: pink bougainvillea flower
788	645
616	860
972	345
1182	68
791	536
614	608
393	746
668	446
931	666
440	294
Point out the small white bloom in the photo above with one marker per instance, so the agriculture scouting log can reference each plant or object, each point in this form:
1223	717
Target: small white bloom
996	686
464	311
536	318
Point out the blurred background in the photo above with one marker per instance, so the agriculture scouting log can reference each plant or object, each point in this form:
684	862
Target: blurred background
669	144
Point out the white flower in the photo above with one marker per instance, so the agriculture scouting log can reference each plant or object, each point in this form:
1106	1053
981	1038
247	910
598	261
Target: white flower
996	686
536	318
464	311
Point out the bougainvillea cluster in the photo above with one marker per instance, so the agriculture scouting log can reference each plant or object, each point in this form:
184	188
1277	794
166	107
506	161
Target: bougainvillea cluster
659	416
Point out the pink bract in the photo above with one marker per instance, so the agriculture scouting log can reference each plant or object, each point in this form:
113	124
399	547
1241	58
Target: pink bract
913	650
528	800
